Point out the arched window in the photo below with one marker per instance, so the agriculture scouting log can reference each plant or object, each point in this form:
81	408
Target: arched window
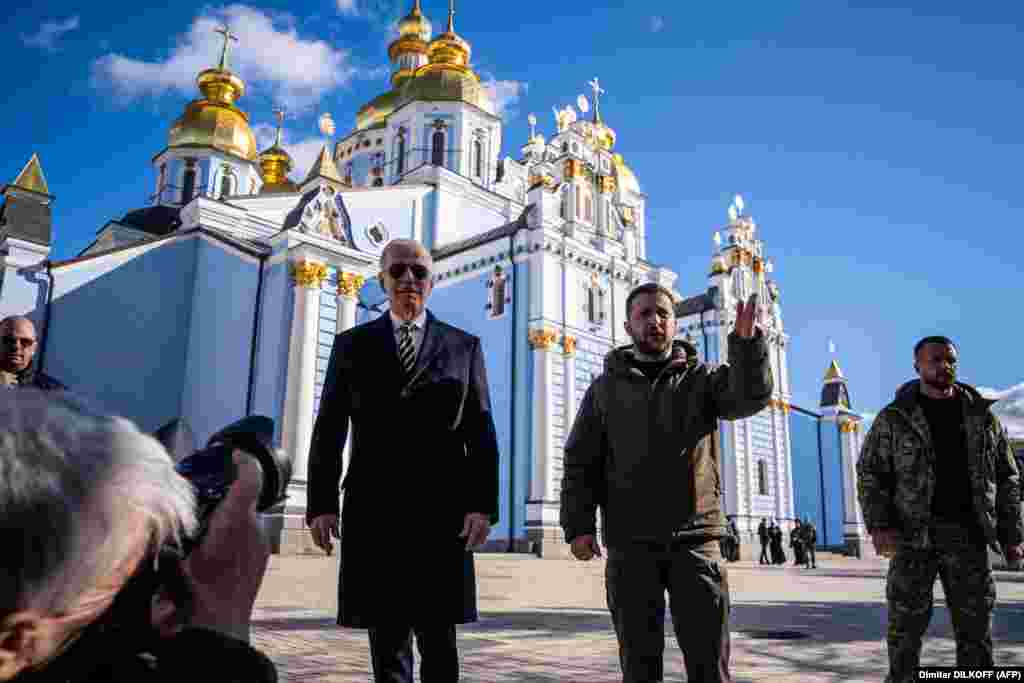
498	285
762	478
160	182
588	208
437	147
564	211
188	183
400	165
227	184
478	159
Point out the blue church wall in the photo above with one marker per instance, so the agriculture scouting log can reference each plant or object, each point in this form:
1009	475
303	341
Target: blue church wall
521	449
327	326
396	211
220	339
273	345
462	304
831	460
138	306
473	219
809	496
23	291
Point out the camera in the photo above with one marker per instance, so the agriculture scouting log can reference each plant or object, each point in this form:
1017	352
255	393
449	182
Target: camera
211	471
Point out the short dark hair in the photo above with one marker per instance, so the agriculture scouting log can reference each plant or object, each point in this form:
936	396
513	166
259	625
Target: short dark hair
936	339
648	288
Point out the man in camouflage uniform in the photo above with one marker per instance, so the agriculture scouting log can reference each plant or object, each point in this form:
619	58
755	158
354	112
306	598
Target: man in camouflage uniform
937	483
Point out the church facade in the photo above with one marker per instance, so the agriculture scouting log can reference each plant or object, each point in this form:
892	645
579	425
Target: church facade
223	296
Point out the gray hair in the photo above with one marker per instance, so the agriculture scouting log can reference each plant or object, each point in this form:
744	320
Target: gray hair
68	475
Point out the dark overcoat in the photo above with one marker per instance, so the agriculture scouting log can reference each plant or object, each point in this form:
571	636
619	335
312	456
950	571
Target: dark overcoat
424	453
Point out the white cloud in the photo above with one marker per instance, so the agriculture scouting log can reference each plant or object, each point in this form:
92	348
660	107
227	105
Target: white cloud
505	95
1009	408
49	33
657	24
348	7
303	151
269	55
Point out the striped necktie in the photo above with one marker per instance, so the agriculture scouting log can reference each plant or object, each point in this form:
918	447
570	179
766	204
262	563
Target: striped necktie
406	348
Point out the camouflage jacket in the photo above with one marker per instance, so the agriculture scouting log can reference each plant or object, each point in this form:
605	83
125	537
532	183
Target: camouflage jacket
896	477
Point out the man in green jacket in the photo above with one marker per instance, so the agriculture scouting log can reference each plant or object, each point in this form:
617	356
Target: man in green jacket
645	449
937	483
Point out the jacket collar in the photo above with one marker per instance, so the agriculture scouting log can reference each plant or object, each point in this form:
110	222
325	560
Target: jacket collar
974	403
622	359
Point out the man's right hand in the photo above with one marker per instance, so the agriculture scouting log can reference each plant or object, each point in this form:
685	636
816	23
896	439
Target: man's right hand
323	527
585	547
886	541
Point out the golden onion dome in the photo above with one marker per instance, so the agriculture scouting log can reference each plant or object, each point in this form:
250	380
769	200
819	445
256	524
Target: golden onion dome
215	121
449	47
275	165
447	85
415	24
378	110
625	176
718	264
605	135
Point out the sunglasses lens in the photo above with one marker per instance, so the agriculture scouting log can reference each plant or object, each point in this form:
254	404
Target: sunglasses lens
419	272
397	270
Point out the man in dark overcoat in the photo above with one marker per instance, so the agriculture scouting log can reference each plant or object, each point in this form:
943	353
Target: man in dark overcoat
421	487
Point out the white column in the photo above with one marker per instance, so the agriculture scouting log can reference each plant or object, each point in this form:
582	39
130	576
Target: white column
854	532
541	489
349	285
569	347
297	425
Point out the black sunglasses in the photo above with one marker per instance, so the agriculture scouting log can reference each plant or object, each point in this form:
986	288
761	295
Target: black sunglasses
397	270
19	341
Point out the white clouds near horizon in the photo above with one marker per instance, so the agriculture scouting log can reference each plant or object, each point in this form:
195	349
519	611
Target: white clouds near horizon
1009	407
49	33
269	55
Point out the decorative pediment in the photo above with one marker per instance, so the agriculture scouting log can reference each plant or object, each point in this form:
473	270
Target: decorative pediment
322	212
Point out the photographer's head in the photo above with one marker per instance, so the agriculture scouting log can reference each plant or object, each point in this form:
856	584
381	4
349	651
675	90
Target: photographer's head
84	499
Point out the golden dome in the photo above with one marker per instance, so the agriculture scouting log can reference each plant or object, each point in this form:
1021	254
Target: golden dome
415	24
215	121
627	180
718	264
604	135
275	165
377	110
450	47
447	85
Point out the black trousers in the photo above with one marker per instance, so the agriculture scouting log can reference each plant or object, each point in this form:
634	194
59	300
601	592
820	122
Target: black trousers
637	576
392	658
812	560
764	553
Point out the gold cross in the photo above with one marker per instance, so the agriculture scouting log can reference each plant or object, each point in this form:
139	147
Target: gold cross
595	85
228	37
279	112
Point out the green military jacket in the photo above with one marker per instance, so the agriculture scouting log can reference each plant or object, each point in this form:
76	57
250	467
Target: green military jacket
896	477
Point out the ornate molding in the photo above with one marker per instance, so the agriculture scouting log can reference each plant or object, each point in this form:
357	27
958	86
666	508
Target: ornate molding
569	344
849	426
607	184
542	339
308	274
349	284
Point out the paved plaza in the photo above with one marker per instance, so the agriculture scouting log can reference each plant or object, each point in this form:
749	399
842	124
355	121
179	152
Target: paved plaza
545	620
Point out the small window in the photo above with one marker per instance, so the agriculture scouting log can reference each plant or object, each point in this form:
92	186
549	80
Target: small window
588	214
189	185
762	478
498	285
400	166
564	209
437	149
227	185
478	157
595	305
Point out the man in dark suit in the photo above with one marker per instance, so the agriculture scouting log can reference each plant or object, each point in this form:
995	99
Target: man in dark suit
421	490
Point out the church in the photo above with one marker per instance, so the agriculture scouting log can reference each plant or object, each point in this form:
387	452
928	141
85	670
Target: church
225	293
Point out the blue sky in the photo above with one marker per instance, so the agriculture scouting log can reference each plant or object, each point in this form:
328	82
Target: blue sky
876	146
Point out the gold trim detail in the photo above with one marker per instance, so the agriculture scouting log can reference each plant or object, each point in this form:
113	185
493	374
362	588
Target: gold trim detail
349	284
850	426
607	184
569	344
309	274
573	168
542	339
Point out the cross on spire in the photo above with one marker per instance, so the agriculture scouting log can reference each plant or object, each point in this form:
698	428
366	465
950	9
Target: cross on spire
228	37
279	113
595	85
451	16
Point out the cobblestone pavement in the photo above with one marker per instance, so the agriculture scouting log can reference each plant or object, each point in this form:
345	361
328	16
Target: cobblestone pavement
545	620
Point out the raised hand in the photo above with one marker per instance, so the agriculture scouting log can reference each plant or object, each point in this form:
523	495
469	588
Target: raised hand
746	315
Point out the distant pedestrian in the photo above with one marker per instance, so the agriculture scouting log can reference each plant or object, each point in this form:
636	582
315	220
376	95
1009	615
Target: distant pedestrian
796	542
778	554
810	540
763	536
736	542
937	482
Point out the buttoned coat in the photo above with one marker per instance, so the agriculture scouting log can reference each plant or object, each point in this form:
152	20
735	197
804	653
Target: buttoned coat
424	453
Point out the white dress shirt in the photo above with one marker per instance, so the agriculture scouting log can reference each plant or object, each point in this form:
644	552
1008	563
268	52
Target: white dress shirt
419	324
